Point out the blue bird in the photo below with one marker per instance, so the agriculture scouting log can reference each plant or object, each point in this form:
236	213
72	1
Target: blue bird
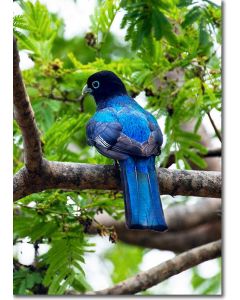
122	130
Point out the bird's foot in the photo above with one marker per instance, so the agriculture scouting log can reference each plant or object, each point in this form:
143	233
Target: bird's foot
116	165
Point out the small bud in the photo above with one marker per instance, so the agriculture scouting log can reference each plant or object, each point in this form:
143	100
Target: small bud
113	237
170	110
148	92
90	39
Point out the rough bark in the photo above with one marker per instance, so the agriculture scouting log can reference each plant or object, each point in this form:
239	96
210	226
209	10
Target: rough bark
24	116
155	275
75	176
190	183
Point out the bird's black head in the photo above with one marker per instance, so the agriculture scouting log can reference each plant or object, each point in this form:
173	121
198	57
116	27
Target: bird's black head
104	85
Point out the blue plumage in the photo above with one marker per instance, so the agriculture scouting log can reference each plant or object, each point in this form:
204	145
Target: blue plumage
141	194
121	129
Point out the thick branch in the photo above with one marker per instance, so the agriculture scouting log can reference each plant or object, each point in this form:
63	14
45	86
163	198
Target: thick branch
181	216
189	226
178	217
173	241
74	176
24	116
171	267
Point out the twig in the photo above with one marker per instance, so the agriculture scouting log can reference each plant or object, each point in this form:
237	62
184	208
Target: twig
64	99
213	153
81	100
212	3
215	127
61	99
171	267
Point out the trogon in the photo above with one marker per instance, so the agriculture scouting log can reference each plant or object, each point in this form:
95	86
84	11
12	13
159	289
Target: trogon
122	130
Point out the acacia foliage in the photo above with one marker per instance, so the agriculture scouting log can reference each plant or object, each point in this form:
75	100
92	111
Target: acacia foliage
170	53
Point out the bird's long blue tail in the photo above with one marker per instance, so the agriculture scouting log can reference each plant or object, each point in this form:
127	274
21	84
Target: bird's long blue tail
143	208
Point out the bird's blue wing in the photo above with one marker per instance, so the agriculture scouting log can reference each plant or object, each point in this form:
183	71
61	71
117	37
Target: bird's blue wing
105	133
109	140
155	129
153	145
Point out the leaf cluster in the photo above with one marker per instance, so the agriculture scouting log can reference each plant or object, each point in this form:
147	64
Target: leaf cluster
146	20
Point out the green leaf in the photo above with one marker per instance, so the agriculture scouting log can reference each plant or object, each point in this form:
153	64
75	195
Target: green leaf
61	133
205	41
191	136
192	16
186	164
36	29
195	158
145	20
24	280
119	255
80	284
183	3
64	259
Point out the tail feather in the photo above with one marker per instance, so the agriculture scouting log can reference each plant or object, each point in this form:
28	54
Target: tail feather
143	208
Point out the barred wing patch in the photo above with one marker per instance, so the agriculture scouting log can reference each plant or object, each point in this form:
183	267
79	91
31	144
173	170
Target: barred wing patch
108	138
104	134
100	141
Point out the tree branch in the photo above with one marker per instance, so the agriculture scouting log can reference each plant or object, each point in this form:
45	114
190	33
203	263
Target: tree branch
24	116
189	226
213	152
171	267
178	217
61	99
214	127
76	176
172	241
64	99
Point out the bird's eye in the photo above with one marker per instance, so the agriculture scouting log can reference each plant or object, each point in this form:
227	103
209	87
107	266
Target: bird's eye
96	84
